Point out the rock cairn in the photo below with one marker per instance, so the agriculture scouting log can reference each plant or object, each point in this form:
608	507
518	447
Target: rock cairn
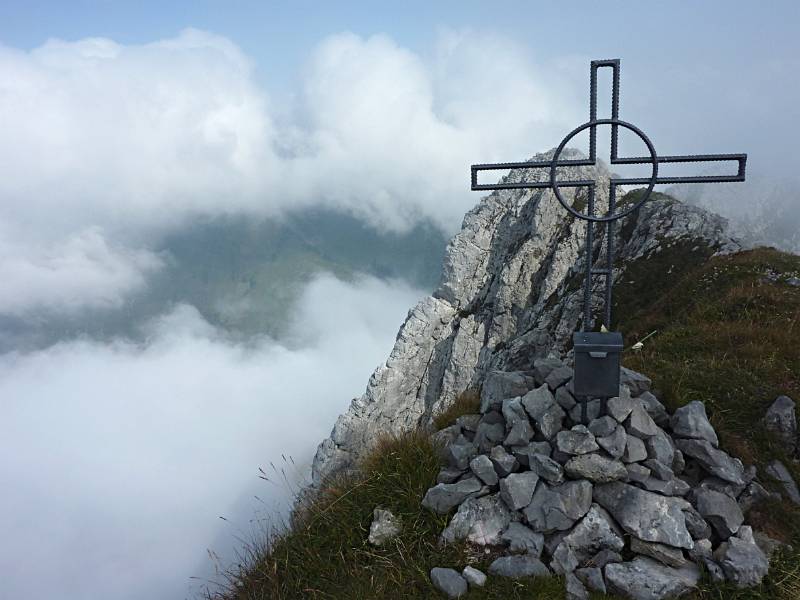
632	502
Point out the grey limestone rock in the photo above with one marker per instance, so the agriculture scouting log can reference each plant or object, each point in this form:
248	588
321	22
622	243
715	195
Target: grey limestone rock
691	421
517	489
603	426
635	450
713	460
449	475
483	469
698	527
558	507
769	545
637	472
672	557
596	531
646	579
383	528
656	410
523	453
499	385
564	398
468	422
615	443
578	440
518	566
743	562
637	383
521	538
595	468
513	412
542	367
521	433
781	420
592	411
646	515
640	423
443	497
659	469
449	582
542	408
574	588
620	407
488	435
504	463
558	377
592	578
474	577
753	494
660	447
546	468
459	453
604	557
478	520
778	471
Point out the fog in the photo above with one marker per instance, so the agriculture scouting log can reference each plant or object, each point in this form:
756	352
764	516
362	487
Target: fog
119	459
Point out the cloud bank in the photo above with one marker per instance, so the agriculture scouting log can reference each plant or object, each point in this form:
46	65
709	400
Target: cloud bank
117	460
126	142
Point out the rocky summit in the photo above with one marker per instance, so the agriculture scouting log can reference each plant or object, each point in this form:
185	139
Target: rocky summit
510	293
575	509
620	497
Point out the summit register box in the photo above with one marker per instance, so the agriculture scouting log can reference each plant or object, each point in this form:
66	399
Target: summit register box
597	356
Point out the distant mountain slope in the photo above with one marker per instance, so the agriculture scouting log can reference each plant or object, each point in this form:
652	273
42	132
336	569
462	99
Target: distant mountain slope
244	274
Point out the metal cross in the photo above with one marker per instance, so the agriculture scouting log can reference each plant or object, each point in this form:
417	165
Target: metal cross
611	215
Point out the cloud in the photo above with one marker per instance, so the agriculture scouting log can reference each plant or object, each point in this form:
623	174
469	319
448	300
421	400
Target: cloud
130	141
118	459
82	272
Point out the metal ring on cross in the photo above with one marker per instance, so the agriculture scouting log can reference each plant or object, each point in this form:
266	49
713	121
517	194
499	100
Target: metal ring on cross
612	216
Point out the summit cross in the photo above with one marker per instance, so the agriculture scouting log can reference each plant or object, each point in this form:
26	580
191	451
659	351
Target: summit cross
611	216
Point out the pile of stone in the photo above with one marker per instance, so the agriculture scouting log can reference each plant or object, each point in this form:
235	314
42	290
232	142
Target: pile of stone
633	502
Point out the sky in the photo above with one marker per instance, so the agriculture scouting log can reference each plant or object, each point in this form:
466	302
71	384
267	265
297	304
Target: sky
124	121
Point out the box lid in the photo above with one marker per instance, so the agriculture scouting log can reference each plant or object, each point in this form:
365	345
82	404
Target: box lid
597	341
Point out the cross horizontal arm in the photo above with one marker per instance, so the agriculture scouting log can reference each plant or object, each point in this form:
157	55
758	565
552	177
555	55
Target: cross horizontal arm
741	159
541	164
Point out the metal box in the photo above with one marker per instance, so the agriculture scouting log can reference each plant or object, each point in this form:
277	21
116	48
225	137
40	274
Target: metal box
597	357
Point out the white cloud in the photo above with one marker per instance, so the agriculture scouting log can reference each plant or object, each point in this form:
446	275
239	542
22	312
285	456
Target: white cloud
82	272
133	140
118	459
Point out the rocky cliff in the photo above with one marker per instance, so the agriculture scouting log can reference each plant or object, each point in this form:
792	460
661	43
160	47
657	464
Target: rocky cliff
510	292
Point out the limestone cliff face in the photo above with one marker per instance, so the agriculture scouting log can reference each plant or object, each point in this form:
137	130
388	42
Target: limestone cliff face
510	292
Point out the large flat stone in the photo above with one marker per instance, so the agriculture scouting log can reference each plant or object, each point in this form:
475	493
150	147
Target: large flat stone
443	497
715	461
646	579
519	566
646	515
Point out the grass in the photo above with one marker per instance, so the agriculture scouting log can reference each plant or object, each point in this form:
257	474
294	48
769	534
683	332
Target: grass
726	333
